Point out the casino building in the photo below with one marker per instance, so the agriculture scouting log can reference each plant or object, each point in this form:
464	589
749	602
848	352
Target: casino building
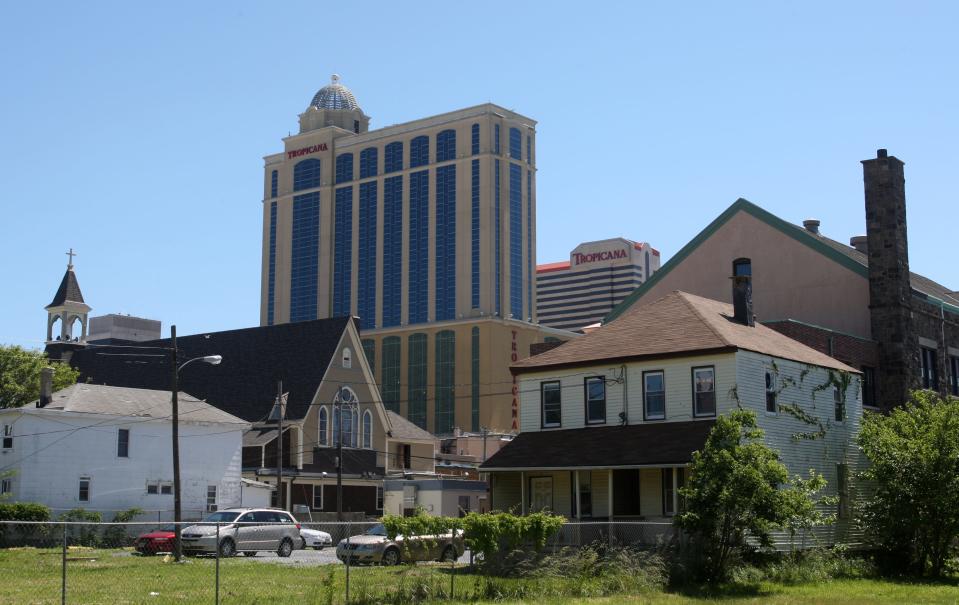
425	231
574	294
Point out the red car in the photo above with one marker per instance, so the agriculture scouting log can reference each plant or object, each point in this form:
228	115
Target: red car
156	541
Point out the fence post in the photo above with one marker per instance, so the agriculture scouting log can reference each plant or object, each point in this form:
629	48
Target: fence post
453	568
349	559
63	562
217	589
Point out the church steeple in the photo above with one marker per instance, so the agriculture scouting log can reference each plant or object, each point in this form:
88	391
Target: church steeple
68	308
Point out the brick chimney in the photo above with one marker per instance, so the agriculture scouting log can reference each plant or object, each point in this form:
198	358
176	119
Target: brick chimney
890	294
46	387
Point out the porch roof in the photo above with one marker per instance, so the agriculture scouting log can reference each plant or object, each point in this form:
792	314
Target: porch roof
649	444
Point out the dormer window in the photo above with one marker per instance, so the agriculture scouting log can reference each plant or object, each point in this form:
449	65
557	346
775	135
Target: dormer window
347	358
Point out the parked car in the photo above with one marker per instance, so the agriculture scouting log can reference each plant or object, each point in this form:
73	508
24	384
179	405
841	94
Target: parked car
315	539
155	541
246	530
374	546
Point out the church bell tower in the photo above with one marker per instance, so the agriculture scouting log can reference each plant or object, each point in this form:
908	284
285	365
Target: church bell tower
67	317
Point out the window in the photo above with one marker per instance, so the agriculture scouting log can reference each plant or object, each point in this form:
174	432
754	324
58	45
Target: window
842	486
392	250
347	358
475	234
123	443
445	257
954	363
8	436
368	160
367	430
497	249
445	377
474	139
271	277
515	240
366	277
304	258
704	391
868	386
369	351
475	380
379	497
515	144
496	138
306	175
153	488
393	157
446	145
83	495
211	498
343	252
323	425
317	497
274	182
419	234
391	373
6	486
405	455
595	400
166	489
585	493
416	379
839	404
529	148
346	417
344	167
771	393
551	403
930	374
742	267
419	151
654	395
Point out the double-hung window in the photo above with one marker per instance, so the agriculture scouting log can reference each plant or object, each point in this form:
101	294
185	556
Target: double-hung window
771	393
595	400
317	497
123	443
8	436
654	395
930	374
551	402
704	391
6	486
83	494
211	498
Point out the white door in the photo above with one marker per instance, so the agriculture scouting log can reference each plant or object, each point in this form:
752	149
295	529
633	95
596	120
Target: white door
540	494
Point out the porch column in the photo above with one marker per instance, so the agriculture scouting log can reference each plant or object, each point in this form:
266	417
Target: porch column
675	491
579	510
522	492
610	494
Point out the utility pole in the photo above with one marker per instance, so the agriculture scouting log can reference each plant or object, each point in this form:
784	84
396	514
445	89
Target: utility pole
177	546
279	444
339	454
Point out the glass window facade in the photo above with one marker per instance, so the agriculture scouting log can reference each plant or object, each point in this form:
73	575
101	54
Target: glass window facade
446	145
306	174
304	256
515	241
475	234
419	261
391	373
497	239
529	149
274	183
393	157
419	151
445	410
496	146
531	274
475	380
366	280
344	168
416	379
369	350
271	269
445	243
392	250
515	144
369	158
342	251
474	139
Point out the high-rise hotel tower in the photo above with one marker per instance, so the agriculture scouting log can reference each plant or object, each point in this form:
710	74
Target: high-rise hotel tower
426	232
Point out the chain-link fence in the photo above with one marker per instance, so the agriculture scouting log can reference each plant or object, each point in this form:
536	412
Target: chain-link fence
349	562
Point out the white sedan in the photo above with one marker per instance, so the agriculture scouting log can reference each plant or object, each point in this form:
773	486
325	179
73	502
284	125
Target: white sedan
316	539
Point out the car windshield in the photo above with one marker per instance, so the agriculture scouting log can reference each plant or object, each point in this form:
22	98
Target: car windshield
168	528
221	517
376	530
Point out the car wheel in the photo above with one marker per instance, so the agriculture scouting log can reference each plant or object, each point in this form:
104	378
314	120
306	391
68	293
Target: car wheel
227	548
391	557
286	548
249	553
449	554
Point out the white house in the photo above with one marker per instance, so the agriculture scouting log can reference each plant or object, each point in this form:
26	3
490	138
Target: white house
107	449
609	421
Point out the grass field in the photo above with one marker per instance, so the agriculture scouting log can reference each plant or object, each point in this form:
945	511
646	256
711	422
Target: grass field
113	576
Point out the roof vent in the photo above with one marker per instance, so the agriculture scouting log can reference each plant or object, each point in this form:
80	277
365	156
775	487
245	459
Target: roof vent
811	225
860	242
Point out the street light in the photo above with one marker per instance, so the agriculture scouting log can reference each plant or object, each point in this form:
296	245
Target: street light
212	360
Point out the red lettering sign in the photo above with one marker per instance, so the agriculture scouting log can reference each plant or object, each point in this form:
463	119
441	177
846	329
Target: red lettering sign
515	406
593	257
305	151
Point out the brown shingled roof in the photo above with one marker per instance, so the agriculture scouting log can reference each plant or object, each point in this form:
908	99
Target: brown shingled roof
69	290
679	323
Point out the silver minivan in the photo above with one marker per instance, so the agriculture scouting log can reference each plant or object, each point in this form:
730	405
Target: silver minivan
246	530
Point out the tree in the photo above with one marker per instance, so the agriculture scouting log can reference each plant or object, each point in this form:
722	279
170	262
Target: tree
738	493
20	375
912	513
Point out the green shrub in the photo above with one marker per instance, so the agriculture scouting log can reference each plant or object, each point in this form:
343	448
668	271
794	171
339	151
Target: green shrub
86	534
24	511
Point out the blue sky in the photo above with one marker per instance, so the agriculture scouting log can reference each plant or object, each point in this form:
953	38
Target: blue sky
135	132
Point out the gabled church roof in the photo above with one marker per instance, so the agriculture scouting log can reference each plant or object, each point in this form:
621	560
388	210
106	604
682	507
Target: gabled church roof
69	290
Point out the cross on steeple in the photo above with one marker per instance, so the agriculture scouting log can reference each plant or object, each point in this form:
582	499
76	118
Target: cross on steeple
71	254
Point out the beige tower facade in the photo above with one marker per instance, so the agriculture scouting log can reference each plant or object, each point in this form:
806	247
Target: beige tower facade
423	230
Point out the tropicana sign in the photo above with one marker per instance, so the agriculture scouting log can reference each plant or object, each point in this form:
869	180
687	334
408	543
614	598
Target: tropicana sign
305	150
593	257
